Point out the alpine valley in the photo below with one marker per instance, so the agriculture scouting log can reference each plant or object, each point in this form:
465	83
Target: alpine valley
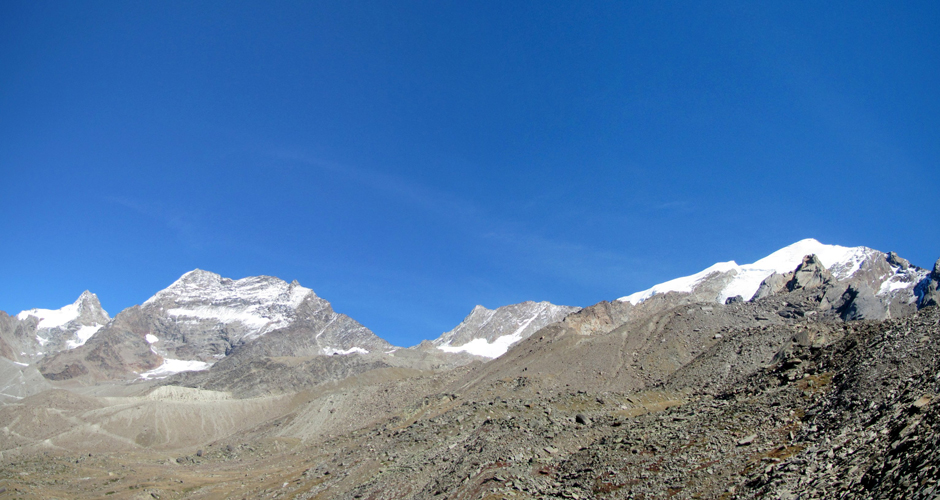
811	373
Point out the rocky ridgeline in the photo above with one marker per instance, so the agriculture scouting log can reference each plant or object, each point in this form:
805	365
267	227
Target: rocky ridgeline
204	320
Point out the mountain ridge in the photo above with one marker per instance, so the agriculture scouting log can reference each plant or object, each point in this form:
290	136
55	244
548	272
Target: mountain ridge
202	317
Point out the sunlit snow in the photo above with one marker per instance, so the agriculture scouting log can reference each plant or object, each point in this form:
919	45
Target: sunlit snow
902	279
329	351
151	338
174	366
49	318
261	303
841	261
84	333
480	347
494	349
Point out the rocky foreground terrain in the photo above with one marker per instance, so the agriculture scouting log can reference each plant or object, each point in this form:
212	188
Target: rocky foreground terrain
824	384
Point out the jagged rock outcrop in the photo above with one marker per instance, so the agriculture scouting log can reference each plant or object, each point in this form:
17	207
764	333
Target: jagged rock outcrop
893	282
895	260
810	274
872	285
599	318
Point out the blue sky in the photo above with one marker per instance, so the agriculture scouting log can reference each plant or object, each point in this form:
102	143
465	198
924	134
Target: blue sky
409	160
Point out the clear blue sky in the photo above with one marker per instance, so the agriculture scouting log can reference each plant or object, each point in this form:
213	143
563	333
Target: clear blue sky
409	160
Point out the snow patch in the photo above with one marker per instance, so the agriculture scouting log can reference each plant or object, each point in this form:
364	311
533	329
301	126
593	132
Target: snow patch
480	347
330	351
223	315
902	279
21	364
151	338
174	366
83	334
495	349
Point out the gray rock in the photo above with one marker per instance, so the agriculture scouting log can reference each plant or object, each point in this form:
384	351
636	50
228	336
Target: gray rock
600	318
861	303
205	317
895	260
747	441
810	274
772	285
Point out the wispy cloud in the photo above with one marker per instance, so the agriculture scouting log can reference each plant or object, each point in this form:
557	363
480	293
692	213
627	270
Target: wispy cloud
683	206
183	224
396	187
514	242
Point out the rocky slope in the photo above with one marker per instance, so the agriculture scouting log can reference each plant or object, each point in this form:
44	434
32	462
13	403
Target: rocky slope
850	412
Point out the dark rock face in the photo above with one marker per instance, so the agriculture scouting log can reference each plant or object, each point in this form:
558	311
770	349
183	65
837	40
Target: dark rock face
70	371
734	300
930	288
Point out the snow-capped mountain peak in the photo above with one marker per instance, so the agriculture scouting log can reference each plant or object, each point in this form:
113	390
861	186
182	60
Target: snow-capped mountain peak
56	318
744	280
261	303
491	332
70	326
